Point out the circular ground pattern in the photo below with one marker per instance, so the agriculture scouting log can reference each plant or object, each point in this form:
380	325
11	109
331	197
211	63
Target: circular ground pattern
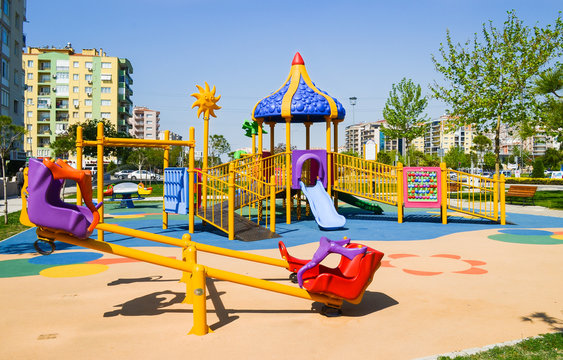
20	267
528	236
66	258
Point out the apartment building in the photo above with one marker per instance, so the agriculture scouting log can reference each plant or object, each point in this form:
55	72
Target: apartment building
171	136
358	134
65	87
440	135
145	123
12	17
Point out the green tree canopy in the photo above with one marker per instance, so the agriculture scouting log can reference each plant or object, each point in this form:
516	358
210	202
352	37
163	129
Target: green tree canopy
403	112
10	134
456	158
488	81
218	146
549	85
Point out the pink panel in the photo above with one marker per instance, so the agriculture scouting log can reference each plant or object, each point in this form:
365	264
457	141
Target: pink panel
422	187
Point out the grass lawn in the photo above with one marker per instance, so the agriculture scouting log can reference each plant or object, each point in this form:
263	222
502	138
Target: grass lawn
544	347
13	227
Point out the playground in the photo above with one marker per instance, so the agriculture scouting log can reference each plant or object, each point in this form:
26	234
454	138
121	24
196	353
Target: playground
403	262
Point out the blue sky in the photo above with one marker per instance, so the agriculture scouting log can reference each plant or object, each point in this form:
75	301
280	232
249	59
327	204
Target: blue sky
245	49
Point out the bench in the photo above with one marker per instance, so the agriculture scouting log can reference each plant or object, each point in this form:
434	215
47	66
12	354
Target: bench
521	191
454	186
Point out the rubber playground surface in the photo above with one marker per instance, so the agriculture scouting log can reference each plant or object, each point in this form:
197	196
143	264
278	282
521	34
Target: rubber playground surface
441	288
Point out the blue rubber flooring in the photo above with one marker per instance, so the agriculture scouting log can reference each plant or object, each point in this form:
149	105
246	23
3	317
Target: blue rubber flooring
419	224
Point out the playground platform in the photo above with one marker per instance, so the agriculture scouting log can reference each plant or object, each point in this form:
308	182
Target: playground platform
441	288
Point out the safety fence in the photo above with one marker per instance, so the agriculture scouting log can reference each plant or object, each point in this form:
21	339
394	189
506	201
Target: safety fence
365	178
214	200
475	195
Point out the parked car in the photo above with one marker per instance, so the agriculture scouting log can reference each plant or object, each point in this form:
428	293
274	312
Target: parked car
143	175
122	174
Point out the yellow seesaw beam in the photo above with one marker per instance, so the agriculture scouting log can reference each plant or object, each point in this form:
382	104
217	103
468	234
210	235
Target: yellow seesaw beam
186	242
180	265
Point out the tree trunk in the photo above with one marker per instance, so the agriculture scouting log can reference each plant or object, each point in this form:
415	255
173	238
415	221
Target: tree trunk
497	147
5	190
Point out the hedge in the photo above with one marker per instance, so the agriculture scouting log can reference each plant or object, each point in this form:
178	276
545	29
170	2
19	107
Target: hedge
537	181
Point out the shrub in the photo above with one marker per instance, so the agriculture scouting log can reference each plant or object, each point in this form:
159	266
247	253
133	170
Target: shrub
538	170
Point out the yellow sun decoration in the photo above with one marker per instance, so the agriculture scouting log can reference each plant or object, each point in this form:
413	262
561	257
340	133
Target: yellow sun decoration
206	101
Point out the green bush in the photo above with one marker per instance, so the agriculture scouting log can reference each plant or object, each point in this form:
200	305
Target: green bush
538	171
532	180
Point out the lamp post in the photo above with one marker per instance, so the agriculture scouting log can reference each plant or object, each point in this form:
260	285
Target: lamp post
353	100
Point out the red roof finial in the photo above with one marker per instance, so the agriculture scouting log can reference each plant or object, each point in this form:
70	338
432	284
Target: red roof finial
297	59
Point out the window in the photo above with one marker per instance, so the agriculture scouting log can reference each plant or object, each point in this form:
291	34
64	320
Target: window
149	129
105	77
75	64
62	77
5	70
62	65
75	77
29	76
5	36
88	102
75	89
29	115
88	77
106	90
105	115
75	115
88	65
88	89
29	88
5	97
29	101
62	90
88	115
16	106
106	102
30	63
29	140
75	102
148	116
149	122
106	65
6	7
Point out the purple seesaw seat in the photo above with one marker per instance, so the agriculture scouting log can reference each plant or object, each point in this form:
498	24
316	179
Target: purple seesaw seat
45	207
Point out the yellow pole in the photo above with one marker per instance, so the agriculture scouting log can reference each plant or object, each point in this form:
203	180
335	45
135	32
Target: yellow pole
253	144
308	135
200	310
231	202
191	173
400	193
335	125
272	146
328	154
444	200
495	194
273	203
100	148
502	201
190	257
79	148
288	170
204	165
260	142
165	165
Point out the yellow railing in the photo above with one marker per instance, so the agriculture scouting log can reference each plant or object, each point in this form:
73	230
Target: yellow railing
253	196
215	203
264	168
475	195
365	178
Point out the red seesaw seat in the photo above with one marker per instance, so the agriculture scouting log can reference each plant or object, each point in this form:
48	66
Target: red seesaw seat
347	281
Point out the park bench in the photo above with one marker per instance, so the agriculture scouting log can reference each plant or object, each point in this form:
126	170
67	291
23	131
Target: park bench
521	191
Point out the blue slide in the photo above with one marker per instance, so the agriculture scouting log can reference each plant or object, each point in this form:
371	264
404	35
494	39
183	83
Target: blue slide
322	206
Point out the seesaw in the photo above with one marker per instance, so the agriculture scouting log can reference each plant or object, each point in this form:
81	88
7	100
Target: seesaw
331	287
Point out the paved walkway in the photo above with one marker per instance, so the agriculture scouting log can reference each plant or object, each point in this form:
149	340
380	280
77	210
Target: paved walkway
441	288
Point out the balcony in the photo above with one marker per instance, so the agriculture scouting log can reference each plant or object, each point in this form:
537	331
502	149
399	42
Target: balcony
44	79
44	66
44	92
62	118
43	106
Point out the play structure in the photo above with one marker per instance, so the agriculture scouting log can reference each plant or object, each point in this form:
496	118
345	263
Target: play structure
73	224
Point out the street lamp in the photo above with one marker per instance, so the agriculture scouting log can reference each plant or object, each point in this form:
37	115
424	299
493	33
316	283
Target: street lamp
353	103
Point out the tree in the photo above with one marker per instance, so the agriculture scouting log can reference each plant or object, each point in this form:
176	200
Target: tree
552	158
490	80
456	158
481	145
280	148
218	145
10	133
403	112
547	85
538	169
66	142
